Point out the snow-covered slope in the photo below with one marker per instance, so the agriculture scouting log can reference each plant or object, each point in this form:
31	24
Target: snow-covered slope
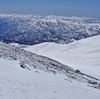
25	75
83	55
30	60
19	83
29	29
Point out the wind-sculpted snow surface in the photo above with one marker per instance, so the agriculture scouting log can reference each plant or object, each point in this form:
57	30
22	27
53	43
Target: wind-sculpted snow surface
29	29
30	60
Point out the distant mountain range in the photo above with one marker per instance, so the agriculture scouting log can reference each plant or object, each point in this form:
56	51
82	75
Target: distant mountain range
29	29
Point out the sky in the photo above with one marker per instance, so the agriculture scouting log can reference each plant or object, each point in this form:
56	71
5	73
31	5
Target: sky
80	8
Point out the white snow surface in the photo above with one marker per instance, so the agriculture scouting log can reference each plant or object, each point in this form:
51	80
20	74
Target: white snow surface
19	83
83	54
25	75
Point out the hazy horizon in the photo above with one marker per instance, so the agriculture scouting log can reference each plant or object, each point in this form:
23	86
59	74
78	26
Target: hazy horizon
79	8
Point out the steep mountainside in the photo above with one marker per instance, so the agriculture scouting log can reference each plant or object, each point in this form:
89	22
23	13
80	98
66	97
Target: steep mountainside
30	60
28	29
19	83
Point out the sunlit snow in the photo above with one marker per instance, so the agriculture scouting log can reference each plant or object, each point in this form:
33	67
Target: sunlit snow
19	83
83	54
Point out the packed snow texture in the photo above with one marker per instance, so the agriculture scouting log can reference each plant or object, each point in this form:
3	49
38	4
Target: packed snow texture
29	29
83	55
19	83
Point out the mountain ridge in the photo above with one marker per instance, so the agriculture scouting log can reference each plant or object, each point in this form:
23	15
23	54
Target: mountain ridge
30	29
83	54
29	60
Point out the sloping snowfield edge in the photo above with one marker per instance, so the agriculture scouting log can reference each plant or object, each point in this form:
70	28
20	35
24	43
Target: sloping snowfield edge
83	54
19	83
